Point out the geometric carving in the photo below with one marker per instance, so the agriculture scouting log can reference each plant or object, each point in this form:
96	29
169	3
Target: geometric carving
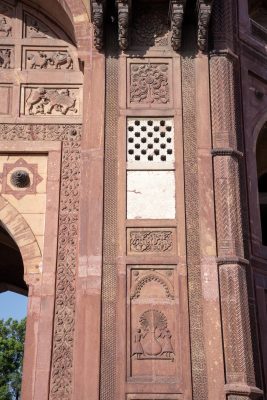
5	58
20	178
150	140
46	101
149	83
150	27
177	16
147	278
204	14
36	29
152	341
47	59
151	241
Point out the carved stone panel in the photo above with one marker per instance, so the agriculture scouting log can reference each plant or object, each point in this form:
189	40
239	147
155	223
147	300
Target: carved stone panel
48	101
6	57
36	29
42	58
153	327
154	241
149	84
6	23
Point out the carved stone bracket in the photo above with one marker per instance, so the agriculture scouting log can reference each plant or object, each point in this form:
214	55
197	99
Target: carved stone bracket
98	17
204	14
124	14
177	15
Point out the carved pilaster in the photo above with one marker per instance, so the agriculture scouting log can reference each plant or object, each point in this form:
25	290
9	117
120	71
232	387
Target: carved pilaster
177	15
204	14
98	16
124	11
239	365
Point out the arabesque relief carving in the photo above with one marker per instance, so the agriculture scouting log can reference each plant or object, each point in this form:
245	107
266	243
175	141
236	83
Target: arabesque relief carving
149	83
151	241
152	339
5	58
45	101
44	59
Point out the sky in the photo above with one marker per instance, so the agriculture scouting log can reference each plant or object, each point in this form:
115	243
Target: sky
13	305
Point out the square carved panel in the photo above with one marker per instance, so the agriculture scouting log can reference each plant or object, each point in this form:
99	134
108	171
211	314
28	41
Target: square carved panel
149	83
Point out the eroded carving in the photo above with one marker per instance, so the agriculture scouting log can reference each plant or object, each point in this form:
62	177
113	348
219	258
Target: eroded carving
150	27
50	101
177	15
98	11
5	58
44	59
123	23
153	340
149	83
151	241
34	28
152	277
204	14
5	27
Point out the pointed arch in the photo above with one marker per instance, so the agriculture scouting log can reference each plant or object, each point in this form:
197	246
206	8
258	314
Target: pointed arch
21	233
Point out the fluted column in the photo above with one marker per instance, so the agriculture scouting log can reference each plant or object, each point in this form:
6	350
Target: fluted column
239	367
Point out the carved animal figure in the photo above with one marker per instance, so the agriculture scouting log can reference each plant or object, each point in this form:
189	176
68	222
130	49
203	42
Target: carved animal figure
60	101
58	59
5	58
36	96
38	59
5	27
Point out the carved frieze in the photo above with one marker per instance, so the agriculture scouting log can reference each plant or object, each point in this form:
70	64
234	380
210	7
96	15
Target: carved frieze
150	27
149	83
51	101
177	15
153	330
98	16
143	241
124	10
47	59
36	29
6	58
204	14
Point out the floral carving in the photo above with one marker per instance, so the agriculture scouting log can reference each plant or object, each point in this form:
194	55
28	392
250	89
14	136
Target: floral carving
153	340
151	28
5	58
50	101
44	59
151	241
149	83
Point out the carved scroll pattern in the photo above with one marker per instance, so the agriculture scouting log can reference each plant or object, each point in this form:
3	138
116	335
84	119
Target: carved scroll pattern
62	355
149	83
151	241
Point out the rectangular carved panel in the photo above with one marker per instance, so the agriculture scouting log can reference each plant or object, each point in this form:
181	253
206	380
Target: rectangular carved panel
6	57
5	99
153	324
158	241
46	101
149	83
49	59
6	23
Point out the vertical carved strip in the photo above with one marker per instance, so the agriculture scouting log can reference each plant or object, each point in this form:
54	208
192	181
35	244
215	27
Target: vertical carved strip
223	22
109	277
62	357
232	268
199	374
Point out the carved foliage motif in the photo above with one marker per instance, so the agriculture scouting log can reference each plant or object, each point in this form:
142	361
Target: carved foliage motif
204	14
152	339
149	83
45	101
98	10
151	241
6	56
123	23
177	16
42	59
150	28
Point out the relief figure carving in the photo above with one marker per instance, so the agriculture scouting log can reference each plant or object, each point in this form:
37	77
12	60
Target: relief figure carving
5	27
149	83
151	241
153	340
45	101
5	58
43	60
